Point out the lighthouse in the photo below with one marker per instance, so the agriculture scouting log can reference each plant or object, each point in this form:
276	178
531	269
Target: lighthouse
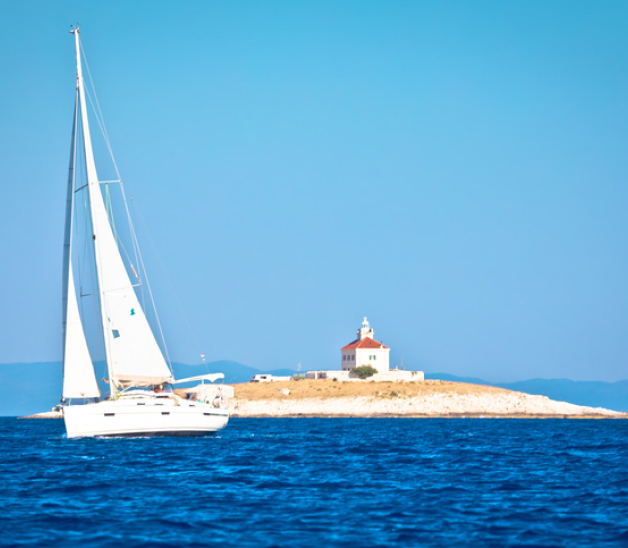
365	350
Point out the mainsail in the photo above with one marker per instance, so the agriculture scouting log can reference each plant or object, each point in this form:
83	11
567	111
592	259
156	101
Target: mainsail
133	355
79	380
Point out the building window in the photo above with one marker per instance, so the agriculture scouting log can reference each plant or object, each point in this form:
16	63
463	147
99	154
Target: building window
344	358
375	357
353	357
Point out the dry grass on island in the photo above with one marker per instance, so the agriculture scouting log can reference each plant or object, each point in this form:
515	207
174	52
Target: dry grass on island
328	388
430	398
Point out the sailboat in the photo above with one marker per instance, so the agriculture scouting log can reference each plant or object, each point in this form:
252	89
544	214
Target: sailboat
142	399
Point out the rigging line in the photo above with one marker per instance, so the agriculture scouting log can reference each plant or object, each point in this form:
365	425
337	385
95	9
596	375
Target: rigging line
109	208
137	276
89	265
143	267
90	268
67	271
84	264
150	293
108	143
101	124
176	296
108	202
103	128
78	258
93	351
109	290
89	230
119	242
99	113
134	242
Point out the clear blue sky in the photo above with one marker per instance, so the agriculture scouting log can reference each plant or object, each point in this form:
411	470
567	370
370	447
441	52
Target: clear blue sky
454	170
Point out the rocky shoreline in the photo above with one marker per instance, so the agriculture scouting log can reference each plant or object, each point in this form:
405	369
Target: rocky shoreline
45	415
448	416
534	407
411	400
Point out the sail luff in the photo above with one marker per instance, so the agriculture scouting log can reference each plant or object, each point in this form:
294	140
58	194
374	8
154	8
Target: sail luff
79	380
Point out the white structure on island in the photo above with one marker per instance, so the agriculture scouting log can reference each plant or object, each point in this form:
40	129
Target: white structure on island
267	377
365	350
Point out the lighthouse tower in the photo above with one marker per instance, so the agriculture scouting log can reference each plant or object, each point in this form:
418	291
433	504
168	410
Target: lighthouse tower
366	330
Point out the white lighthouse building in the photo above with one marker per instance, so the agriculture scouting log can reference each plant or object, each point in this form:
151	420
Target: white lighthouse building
365	350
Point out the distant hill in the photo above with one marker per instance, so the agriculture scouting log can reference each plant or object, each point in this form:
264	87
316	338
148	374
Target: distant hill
453	378
27	388
611	395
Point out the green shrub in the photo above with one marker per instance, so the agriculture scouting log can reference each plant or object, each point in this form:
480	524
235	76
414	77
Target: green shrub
364	371
298	377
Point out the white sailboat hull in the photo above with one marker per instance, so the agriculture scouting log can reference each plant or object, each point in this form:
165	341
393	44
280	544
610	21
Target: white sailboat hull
144	417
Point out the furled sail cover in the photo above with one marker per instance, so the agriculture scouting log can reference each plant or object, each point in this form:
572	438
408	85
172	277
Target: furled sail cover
79	380
133	355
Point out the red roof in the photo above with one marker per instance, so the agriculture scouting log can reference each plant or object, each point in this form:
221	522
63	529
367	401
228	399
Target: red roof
366	342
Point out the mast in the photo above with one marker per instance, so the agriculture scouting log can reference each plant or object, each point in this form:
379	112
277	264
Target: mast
67	237
93	188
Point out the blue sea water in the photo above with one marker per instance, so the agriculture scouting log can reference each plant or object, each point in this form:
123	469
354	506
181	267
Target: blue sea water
320	482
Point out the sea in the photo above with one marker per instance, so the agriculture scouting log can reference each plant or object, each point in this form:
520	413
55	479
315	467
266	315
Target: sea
320	482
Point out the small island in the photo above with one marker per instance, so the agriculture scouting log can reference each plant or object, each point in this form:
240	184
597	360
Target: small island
414	399
366	386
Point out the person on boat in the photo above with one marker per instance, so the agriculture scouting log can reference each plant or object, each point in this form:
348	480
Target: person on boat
218	399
